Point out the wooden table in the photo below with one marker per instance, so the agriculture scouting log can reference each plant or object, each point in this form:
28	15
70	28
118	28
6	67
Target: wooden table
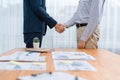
107	66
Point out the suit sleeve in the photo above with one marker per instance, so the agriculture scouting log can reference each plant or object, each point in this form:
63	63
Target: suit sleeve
36	6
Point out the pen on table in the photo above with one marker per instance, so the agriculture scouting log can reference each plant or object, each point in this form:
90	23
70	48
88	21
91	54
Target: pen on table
50	73
76	78
40	74
34	75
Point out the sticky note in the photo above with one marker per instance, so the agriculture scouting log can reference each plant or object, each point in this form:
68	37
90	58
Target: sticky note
67	62
15	63
38	63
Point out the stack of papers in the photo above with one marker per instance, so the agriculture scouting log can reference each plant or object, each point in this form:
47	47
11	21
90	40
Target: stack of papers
23	61
72	61
71	55
51	76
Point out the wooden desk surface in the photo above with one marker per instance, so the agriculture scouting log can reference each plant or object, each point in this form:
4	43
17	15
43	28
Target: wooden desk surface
107	66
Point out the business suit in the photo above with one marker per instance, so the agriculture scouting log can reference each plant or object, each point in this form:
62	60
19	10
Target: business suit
36	20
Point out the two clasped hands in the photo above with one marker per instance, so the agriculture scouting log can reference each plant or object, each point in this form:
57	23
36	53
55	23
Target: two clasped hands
60	27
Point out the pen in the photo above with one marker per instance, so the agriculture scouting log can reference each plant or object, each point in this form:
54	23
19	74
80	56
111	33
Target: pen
76	78
34	75
50	73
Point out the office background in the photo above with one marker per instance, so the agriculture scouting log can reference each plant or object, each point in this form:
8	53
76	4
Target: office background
11	25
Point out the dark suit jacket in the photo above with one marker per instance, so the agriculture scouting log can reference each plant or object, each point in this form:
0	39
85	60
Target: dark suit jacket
36	18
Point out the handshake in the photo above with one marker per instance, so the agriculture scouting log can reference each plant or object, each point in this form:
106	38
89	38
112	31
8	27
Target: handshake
60	28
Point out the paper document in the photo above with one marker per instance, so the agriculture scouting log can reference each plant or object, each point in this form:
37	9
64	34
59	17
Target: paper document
51	76
24	56
73	65
13	65
71	55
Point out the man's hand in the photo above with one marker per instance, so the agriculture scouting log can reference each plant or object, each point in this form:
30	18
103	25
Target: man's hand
81	44
59	28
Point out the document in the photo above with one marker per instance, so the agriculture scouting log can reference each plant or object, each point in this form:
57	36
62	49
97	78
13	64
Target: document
24	56
71	55
73	65
6	66
13	65
51	76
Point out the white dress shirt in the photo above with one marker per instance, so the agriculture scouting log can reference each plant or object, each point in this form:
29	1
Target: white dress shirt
88	11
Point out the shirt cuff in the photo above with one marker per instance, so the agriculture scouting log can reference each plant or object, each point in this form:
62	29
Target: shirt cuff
83	38
68	24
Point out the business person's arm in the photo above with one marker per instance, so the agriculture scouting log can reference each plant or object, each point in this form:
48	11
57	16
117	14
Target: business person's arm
93	20
41	13
92	23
